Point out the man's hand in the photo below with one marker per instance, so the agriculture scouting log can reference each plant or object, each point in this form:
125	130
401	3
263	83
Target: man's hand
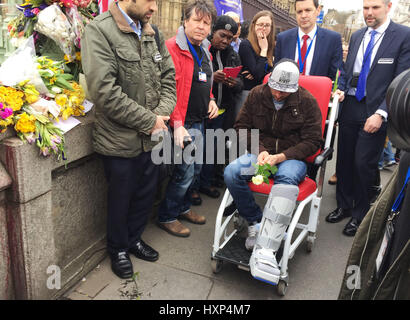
272	159
373	123
179	134
261	158
230	82
340	93
160	124
219	76
212	109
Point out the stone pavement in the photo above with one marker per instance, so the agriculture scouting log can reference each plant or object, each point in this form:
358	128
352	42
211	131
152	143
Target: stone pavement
183	271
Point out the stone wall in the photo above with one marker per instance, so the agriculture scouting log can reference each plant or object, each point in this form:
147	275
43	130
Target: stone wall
55	215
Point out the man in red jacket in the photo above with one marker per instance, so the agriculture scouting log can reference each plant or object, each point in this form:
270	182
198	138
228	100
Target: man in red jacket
195	103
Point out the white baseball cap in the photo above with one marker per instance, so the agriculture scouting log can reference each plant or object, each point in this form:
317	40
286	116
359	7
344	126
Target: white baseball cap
285	76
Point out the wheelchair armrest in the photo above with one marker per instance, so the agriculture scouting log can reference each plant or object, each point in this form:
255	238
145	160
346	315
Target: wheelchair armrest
323	156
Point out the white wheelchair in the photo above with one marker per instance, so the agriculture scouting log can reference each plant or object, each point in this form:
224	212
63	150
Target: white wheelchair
229	245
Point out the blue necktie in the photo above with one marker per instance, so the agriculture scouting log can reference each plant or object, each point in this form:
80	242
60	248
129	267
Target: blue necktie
361	84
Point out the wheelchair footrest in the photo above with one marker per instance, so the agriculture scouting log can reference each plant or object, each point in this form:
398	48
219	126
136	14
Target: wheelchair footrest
235	252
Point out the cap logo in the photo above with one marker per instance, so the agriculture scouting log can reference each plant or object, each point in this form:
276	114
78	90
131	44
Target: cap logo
228	26
284	77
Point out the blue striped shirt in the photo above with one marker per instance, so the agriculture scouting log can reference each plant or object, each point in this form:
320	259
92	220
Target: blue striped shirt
133	25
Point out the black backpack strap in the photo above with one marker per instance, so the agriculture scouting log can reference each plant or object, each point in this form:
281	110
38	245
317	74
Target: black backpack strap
156	36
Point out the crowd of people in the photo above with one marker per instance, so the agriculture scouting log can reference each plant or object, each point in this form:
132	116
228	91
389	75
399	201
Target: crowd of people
142	85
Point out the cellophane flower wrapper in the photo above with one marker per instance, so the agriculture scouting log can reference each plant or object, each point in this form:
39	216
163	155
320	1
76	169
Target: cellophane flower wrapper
53	23
21	66
77	24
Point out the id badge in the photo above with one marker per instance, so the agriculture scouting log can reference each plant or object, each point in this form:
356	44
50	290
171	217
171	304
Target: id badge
202	76
384	248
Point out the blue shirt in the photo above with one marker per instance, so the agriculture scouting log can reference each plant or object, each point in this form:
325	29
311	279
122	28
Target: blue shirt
133	25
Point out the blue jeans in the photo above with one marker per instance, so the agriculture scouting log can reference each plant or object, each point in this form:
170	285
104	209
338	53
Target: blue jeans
177	199
387	154
239	172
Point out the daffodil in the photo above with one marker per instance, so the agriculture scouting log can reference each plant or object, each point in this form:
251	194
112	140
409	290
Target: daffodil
61	99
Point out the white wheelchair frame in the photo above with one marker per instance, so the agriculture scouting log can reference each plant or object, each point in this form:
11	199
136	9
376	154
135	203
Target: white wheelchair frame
308	230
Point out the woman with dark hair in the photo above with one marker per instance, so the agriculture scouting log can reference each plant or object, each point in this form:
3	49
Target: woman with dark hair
256	52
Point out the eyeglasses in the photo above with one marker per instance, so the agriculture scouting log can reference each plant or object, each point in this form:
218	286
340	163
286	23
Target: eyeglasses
263	25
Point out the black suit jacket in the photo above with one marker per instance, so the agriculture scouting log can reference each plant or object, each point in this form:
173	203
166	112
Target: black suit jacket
392	58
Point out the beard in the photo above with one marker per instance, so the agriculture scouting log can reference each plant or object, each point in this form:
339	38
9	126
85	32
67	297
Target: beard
375	24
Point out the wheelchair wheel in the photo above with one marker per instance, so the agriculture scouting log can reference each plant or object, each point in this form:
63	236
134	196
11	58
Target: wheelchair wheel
282	288
310	242
216	265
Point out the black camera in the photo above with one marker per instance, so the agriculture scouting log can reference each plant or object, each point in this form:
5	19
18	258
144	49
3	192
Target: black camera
355	79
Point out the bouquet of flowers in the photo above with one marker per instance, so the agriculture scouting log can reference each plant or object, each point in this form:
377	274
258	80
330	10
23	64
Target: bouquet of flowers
53	23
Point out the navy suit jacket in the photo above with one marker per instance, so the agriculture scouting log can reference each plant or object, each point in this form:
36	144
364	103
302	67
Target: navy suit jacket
392	58
328	54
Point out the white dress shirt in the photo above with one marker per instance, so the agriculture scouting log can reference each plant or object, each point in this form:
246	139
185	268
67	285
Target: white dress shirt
309	59
378	38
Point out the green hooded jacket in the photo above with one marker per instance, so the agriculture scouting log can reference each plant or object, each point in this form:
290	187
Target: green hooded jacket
129	82
395	283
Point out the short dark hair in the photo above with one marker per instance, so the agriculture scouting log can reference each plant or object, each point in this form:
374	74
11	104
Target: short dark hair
201	7
315	2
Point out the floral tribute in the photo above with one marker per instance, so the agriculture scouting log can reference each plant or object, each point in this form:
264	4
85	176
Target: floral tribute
32	104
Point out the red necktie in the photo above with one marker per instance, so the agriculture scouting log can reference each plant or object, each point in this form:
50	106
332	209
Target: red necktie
303	52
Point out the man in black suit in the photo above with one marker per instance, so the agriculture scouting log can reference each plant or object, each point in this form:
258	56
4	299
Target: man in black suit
377	54
318	51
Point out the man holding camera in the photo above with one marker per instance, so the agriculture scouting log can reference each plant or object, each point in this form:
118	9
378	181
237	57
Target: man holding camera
377	54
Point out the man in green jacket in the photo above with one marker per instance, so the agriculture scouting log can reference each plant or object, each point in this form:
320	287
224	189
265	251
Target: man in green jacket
131	80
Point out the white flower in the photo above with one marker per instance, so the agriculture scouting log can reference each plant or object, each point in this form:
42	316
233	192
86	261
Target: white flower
257	180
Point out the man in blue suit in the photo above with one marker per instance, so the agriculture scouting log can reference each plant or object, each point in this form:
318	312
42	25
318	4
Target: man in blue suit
318	51
377	54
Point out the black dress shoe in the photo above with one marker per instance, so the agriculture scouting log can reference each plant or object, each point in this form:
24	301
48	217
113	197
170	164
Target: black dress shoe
351	227
143	251
209	192
338	215
196	201
230	209
121	265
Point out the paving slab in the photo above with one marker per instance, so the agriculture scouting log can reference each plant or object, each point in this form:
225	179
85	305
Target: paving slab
183	271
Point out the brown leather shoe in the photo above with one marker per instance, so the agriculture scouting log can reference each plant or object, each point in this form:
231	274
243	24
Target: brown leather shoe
175	228
333	179
193	217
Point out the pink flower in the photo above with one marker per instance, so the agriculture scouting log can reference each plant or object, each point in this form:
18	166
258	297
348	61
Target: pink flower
30	138
5	113
44	151
35	11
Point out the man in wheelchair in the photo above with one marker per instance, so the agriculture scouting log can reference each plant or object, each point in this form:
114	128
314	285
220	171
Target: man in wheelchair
289	122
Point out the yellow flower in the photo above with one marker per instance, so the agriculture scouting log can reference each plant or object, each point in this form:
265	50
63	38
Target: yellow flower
67	112
61	99
31	98
78	56
26	123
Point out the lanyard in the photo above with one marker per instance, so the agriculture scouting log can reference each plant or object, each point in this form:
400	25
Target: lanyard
193	51
399	199
302	62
